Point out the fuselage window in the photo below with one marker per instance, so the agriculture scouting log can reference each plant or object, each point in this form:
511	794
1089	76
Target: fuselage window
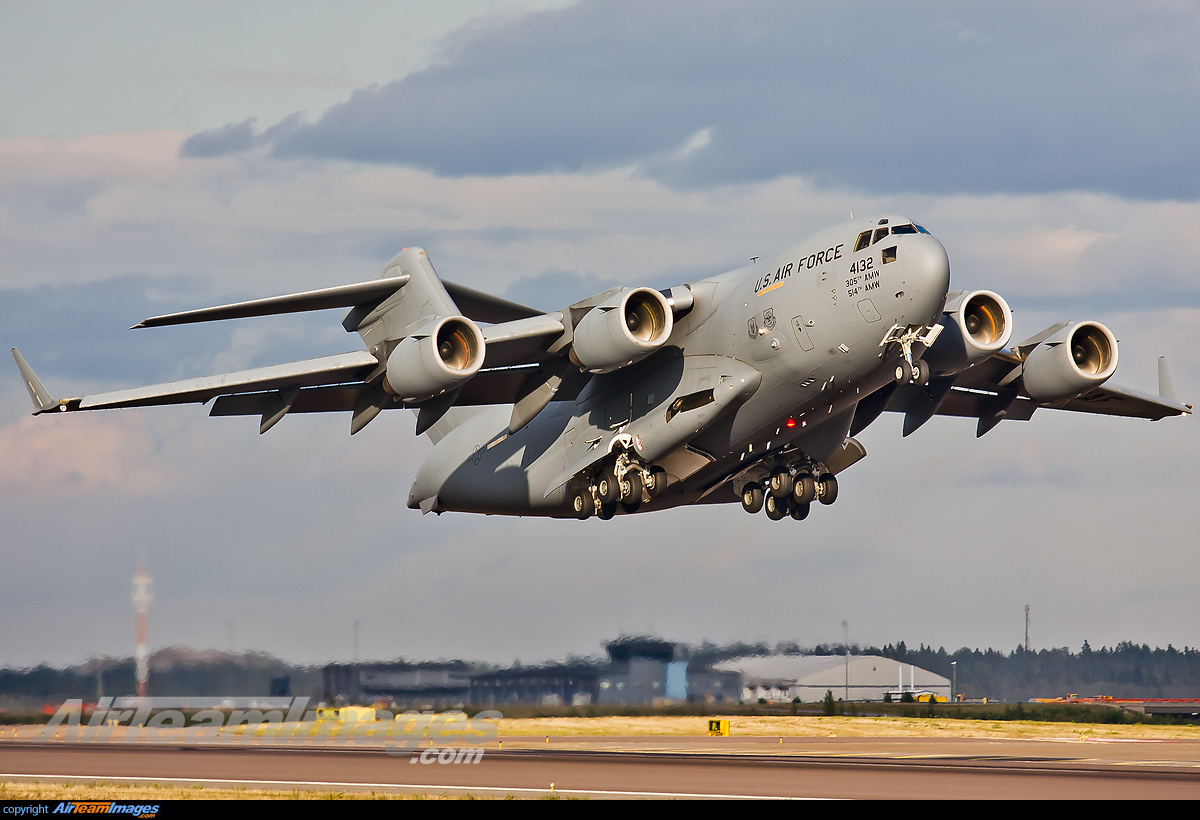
889	254
903	229
880	233
864	239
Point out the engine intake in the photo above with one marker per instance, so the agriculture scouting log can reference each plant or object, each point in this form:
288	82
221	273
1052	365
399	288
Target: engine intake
438	357
975	324
1079	356
627	327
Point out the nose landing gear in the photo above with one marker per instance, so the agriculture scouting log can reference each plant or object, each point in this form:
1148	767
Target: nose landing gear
909	370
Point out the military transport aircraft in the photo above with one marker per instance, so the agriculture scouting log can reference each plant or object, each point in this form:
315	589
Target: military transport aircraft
749	385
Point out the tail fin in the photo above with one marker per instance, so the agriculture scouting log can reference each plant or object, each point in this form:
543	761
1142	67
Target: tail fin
423	297
42	400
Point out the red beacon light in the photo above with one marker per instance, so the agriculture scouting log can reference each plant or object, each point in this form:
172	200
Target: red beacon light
790	423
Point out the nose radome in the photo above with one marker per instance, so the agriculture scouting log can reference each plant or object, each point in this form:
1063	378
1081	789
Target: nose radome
927	271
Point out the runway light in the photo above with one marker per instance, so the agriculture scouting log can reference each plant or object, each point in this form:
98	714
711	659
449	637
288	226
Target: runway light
790	423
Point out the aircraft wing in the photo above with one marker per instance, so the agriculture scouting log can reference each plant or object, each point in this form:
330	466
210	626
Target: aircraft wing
327	370
992	391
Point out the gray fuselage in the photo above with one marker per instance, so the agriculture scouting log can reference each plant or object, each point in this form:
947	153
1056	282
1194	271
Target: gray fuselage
787	347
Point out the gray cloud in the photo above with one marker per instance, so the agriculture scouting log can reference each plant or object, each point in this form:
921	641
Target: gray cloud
79	332
1026	97
229	139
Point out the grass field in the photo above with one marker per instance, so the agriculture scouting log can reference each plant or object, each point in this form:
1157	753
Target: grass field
749	726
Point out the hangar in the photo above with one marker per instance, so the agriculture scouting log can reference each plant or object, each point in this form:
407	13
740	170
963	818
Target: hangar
849	677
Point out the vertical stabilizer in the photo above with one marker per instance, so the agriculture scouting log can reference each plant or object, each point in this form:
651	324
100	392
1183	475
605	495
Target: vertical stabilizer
422	298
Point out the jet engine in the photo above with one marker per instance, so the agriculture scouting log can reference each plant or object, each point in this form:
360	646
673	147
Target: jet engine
438	357
975	324
1081	355
627	327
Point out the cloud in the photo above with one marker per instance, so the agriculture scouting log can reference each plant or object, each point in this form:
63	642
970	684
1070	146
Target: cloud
940	98
229	139
296	534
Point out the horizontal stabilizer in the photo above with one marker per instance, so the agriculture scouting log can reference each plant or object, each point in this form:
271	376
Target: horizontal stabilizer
339	369
483	307
42	400
363	293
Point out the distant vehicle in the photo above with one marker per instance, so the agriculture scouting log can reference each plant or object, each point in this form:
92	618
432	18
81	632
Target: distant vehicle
746	386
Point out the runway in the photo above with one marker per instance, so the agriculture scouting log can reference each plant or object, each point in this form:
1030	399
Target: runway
642	767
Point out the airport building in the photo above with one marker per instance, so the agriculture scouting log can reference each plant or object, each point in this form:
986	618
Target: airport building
639	671
855	677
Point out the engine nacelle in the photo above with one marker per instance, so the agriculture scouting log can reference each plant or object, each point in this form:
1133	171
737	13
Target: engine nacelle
1079	356
622	330
438	357
975	324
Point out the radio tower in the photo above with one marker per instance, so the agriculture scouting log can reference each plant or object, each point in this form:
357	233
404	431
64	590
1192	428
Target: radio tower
141	597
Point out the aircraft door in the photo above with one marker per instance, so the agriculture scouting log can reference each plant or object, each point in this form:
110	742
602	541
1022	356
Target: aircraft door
801	328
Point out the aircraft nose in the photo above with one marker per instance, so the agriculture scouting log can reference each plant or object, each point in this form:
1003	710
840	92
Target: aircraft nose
927	272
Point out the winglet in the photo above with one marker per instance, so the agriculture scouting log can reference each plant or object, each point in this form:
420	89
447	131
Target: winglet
42	401
1166	385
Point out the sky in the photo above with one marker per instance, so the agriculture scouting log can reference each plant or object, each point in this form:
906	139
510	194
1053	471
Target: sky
157	158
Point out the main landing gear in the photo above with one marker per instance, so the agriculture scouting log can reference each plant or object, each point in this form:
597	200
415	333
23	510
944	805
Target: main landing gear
786	494
626	482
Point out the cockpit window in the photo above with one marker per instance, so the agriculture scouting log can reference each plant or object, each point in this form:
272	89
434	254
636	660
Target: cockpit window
922	230
903	229
864	239
880	233
883	222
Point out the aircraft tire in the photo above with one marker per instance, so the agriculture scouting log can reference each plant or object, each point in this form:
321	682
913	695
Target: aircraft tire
752	498
781	484
606	487
804	490
631	488
920	373
829	489
658	482
582	504
903	372
606	512
800	511
630	506
777	508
